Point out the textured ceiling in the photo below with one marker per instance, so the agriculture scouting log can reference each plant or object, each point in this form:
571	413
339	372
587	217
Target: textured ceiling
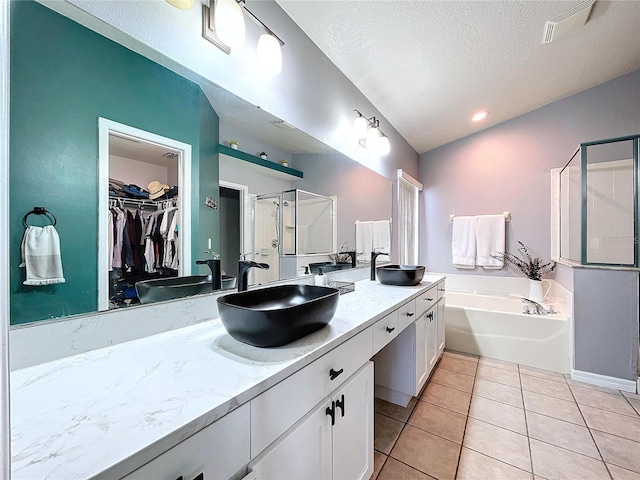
427	66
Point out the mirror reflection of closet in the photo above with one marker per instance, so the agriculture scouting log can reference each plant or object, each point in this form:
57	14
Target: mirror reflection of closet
144	234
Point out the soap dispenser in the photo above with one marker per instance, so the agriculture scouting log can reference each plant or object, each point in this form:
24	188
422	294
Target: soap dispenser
321	278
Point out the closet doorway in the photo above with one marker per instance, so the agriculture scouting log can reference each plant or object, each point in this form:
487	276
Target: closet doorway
141	159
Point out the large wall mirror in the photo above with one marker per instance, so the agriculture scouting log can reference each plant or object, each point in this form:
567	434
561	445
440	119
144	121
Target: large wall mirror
61	87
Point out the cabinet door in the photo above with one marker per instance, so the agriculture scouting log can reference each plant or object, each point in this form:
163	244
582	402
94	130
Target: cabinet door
441	326
422	362
353	429
303	453
432	338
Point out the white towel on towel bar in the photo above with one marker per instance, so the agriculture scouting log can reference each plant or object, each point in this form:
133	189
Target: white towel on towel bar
382	239
41	256
364	240
463	242
490	234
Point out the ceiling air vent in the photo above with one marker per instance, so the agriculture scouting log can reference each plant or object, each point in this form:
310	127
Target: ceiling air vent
568	21
282	124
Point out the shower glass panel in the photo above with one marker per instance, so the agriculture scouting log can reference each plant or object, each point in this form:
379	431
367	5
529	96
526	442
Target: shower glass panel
599	211
570	209
609	203
315	224
267	238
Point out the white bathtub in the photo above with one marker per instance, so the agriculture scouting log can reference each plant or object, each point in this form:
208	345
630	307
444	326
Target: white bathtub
494	326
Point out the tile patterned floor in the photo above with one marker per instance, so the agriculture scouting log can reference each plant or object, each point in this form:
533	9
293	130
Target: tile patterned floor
484	419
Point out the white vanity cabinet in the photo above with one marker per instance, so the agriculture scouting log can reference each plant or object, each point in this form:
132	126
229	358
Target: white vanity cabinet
217	452
403	367
334	441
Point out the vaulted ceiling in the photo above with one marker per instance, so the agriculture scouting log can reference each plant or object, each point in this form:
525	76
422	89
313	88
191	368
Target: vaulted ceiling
427	66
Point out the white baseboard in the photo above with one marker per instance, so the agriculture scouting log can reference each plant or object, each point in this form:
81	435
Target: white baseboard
392	396
605	381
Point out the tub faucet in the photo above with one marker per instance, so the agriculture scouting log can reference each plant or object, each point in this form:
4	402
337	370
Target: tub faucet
531	306
374	255
243	270
216	272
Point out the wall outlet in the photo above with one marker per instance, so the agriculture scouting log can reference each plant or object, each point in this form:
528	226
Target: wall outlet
211	203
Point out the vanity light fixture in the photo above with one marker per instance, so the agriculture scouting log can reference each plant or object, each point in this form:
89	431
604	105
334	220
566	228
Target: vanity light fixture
181	4
223	25
479	116
367	132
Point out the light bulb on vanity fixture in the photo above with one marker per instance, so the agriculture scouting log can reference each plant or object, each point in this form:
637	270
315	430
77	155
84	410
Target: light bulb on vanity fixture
223	25
229	22
369	135
269	54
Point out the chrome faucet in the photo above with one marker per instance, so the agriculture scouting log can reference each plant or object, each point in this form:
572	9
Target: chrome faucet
243	270
531	306
374	255
216	272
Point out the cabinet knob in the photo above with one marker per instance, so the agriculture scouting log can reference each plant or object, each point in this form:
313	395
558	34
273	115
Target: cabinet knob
335	373
340	405
390	329
409	314
331	411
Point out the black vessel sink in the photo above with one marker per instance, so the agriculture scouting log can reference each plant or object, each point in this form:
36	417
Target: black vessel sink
162	289
328	266
275	316
401	275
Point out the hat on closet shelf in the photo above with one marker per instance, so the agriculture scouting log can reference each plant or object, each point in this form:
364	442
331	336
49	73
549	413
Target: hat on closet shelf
157	189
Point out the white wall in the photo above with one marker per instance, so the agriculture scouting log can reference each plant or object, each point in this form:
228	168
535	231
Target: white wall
139	173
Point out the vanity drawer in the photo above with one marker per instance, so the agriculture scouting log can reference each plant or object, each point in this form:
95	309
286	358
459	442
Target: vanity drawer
277	409
385	330
406	315
217	451
426	300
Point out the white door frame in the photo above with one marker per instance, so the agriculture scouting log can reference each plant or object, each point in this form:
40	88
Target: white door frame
105	128
246	220
5	430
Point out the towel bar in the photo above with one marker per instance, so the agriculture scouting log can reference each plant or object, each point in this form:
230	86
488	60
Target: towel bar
507	217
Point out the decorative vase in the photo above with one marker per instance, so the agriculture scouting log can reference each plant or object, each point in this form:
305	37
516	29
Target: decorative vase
535	290
285	163
263	156
234	146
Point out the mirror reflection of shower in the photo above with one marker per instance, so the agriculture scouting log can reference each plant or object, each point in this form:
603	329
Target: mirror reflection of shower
291	224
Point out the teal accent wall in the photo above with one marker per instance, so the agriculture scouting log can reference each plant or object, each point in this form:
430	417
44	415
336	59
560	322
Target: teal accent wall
63	77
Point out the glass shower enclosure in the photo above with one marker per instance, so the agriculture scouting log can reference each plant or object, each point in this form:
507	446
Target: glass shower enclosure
599	222
289	223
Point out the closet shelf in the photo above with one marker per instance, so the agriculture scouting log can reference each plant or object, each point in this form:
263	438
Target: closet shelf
264	166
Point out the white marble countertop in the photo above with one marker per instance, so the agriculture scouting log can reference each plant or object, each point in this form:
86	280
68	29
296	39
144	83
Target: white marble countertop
106	412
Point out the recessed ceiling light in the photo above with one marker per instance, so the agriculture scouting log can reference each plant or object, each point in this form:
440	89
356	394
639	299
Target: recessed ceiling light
479	116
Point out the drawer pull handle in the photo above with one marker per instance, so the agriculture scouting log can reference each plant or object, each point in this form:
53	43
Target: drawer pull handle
340	405
409	314
430	316
429	299
442	289
333	373
331	411
390	329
